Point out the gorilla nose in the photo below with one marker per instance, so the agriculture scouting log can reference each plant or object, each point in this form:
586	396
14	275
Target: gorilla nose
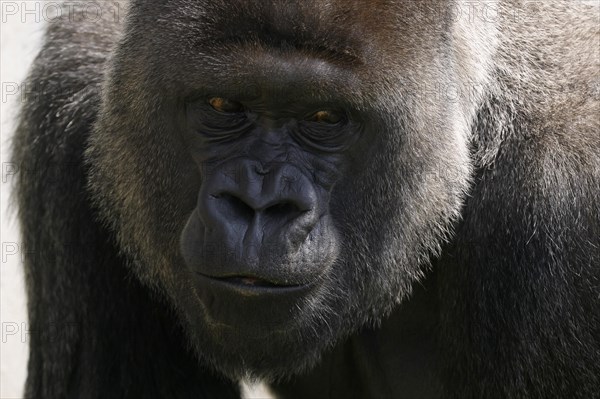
238	205
254	207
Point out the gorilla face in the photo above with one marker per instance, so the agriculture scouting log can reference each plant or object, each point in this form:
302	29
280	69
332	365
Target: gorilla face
285	185
262	220
261	231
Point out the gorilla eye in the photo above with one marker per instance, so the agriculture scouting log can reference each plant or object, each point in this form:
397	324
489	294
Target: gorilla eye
224	105
326	117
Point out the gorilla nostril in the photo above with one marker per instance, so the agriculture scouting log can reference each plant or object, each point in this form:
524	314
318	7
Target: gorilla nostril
234	205
283	209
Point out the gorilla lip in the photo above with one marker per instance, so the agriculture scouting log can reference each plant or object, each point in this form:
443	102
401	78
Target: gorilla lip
247	280
251	284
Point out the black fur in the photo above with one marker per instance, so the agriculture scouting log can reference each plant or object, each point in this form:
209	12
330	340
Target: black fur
465	229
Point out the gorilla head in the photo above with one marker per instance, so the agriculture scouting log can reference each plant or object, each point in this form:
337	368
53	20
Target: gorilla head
286	178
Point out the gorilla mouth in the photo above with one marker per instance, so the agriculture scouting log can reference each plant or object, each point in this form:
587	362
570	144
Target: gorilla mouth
252	284
249	303
253	281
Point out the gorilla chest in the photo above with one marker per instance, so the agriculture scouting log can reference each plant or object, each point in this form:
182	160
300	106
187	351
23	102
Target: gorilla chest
400	359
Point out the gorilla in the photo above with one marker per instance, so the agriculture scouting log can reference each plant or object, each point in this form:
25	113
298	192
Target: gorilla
343	198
